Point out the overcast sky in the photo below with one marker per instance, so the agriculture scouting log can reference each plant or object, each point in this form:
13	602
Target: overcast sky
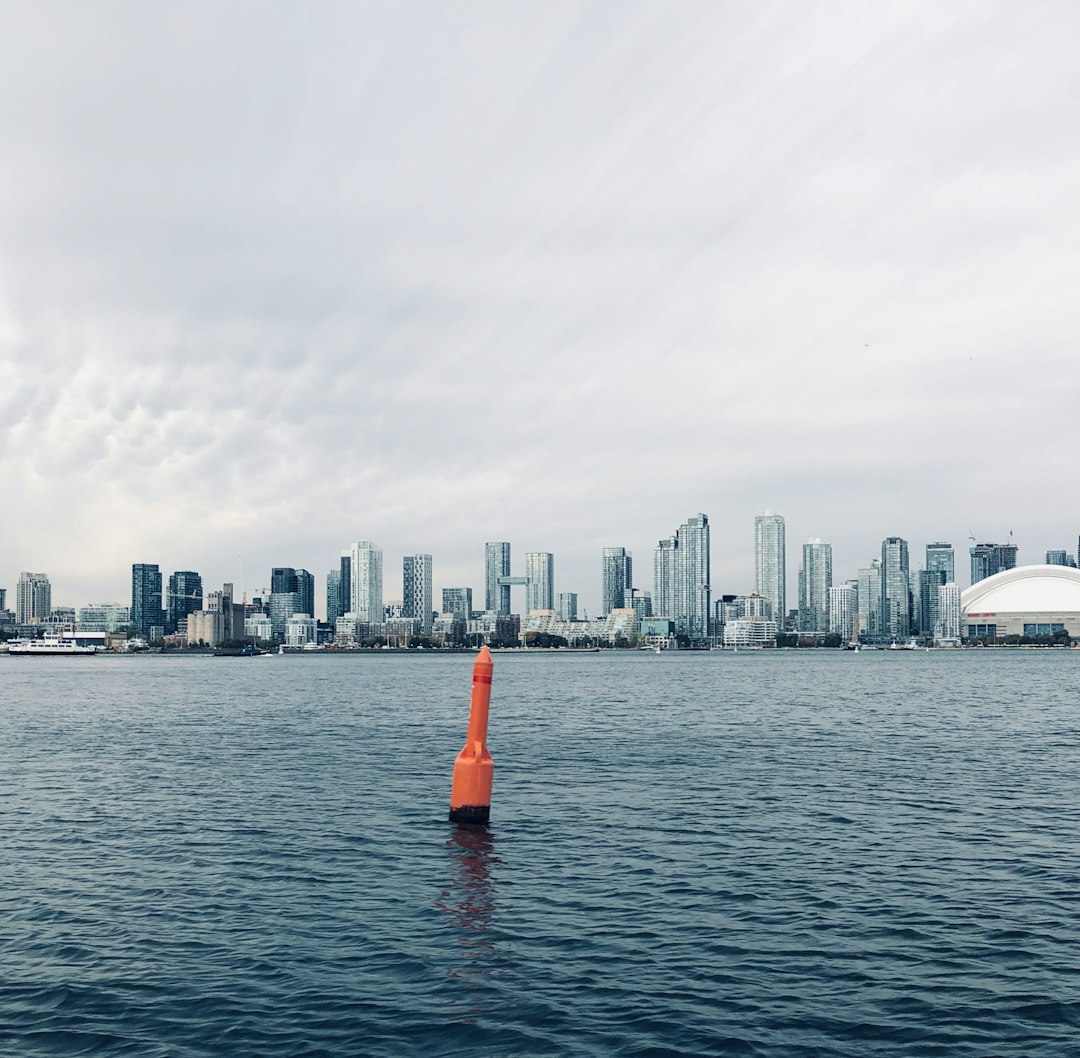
278	277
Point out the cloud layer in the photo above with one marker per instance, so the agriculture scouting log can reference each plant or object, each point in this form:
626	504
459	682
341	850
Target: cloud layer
273	279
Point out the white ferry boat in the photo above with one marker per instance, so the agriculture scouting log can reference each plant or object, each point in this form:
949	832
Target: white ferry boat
50	646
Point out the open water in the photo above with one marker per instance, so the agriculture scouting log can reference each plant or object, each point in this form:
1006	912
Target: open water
786	853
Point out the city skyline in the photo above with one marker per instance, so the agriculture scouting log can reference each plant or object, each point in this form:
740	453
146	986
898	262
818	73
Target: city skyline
551	275
368	557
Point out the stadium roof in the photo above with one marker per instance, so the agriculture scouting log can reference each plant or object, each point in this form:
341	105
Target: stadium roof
1025	589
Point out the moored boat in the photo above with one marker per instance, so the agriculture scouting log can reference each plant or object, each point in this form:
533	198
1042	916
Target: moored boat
48	646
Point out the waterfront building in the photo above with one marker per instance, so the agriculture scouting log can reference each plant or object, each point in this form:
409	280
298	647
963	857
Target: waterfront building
750	632
638	601
333	596
494	628
449	629
345	630
285	580
416	580
987	560
204	628
616	578
895	588
184	596
871	623
257	627
457	601
146	611
664	558
619	627
345	568
305	589
815	580
692	588
1060	558
232	613
33	598
1032	601
752	605
949	612
366	593
940	569
496	566
941	558
300	630
843	610
770	564
566	605
540	573
105	617
283	604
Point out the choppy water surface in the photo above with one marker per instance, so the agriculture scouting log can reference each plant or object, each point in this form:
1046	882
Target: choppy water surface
785	853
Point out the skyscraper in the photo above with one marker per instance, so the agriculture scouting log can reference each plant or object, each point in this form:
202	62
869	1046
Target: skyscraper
988	559
692	587
895	588
416	579
770	567
146	610
540	571
948	626
333	596
815	580
305	591
33	598
843	607
664	578
366	593
496	565
616	578
566	605
942	559
185	596
870	599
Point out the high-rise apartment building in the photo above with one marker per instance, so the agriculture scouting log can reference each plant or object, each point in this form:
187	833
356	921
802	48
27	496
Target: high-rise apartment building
146	609
1053	558
664	578
416	580
496	565
33	598
540	571
692	588
282	580
895	588
871	623
457	601
305	590
815	580
843	609
333	596
616	578
941	558
366	595
948	626
345	569
770	567
566	605
184	596
988	559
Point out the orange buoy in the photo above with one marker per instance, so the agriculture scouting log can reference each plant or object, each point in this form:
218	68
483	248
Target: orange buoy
470	792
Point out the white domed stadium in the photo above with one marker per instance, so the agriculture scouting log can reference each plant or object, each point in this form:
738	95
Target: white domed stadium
1026	601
